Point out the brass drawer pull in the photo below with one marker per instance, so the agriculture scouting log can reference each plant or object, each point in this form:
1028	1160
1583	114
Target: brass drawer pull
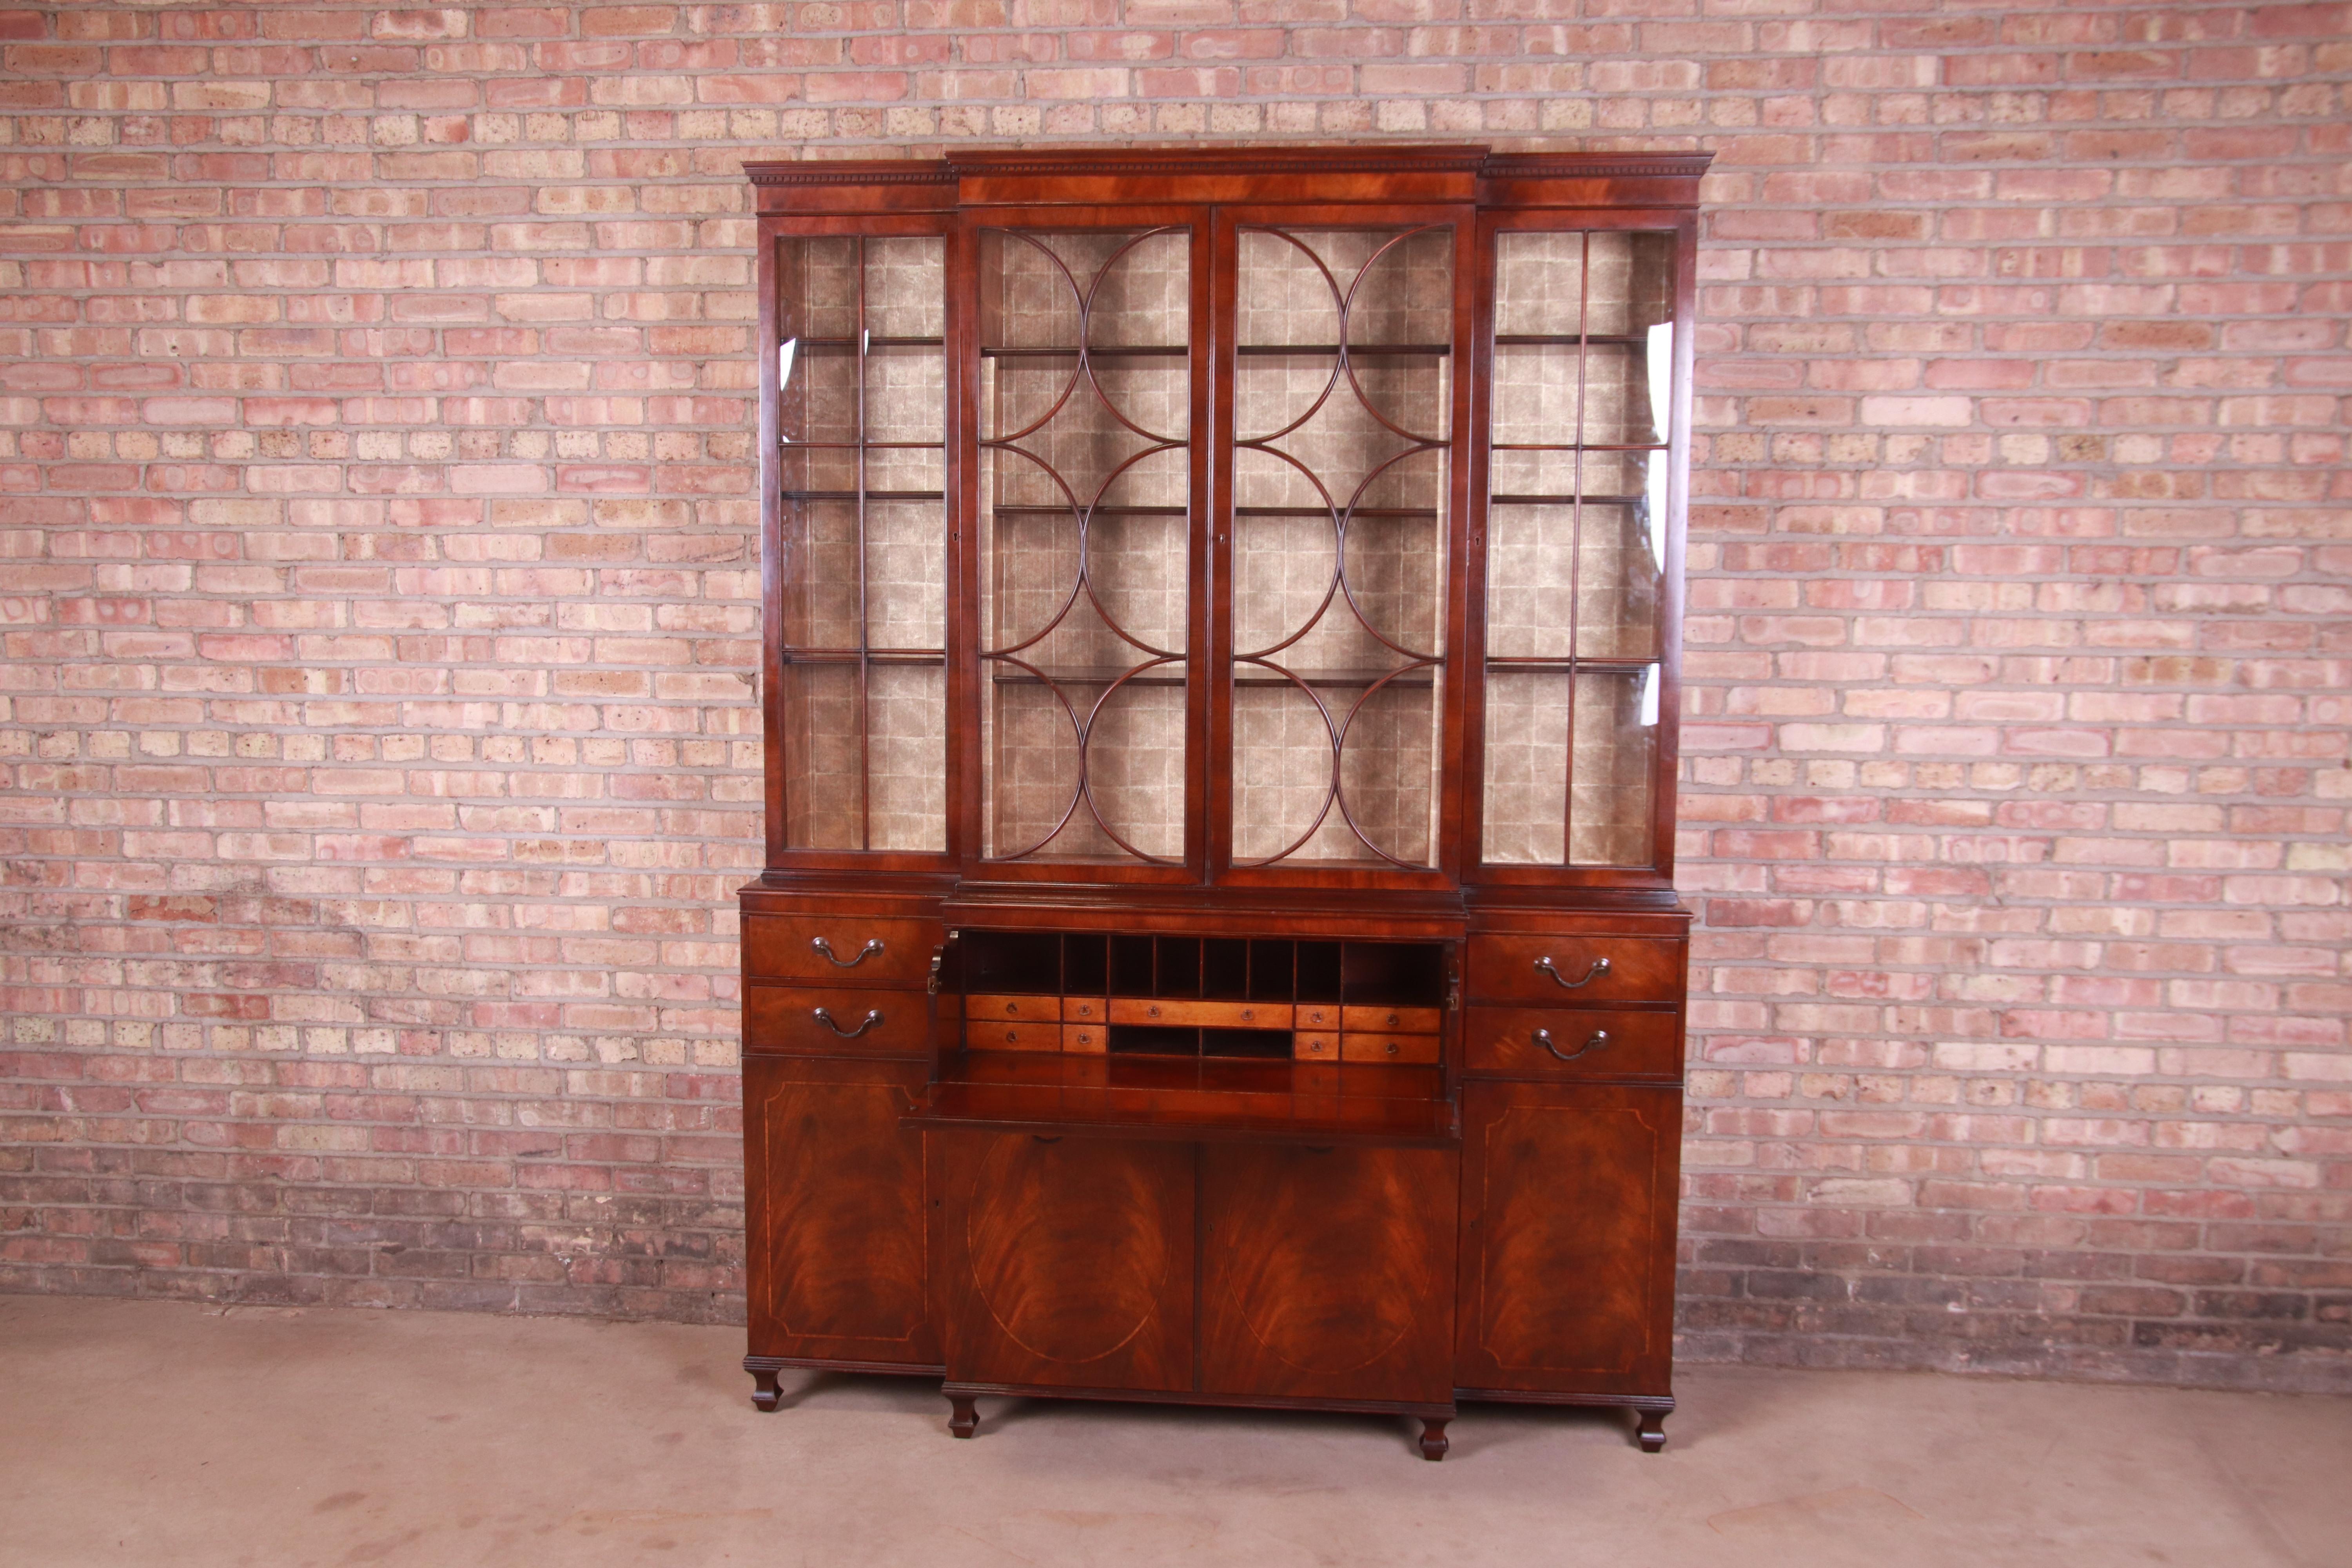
873	946
1599	1038
1600	967
872	1019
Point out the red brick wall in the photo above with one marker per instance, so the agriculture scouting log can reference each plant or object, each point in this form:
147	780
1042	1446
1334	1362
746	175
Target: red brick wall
376	580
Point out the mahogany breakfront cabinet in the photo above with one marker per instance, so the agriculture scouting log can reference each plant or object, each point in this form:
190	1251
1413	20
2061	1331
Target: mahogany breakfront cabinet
1217	941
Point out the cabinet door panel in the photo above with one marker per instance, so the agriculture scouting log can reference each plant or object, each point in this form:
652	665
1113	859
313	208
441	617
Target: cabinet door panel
1568	1216
836	1211
1070	1262
1328	1275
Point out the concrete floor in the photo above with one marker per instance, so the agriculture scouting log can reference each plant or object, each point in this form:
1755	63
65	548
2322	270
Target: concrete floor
155	1432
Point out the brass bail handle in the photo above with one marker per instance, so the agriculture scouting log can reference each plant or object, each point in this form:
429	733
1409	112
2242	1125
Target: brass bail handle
873	946
872	1019
1598	1040
1600	967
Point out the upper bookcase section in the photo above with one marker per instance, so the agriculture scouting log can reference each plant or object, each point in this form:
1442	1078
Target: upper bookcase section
1374	173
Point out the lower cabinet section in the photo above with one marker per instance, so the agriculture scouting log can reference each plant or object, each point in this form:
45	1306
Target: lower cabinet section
835	1212
1066	1262
1567	1248
1328	1274
1535	1262
1323	1275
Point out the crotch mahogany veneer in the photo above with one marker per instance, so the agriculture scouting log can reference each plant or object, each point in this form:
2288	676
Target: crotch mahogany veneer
1217	941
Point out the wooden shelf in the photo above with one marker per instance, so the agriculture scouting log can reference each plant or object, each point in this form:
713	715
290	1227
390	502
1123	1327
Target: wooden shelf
1204	1100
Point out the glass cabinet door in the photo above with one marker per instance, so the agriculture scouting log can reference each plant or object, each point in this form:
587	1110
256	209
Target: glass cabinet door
862	390
1086	551
1342	408
1576	546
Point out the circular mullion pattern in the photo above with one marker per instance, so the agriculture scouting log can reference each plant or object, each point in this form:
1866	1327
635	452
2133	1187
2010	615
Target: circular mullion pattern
1077	298
1085	784
1340	747
1347	588
1340	311
1347	364
1085	568
1085	339
1078	732
1331	792
1079	513
1339	555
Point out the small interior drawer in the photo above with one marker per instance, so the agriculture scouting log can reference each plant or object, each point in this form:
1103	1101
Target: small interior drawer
1149	1011
1388	1047
1391	1020
855	950
1575	971
1573	1042
1018	1009
784	1019
997	1035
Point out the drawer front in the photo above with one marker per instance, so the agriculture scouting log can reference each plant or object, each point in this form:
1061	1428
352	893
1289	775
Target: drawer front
1598	1044
1199	1014
1086	1037
1389	1020
1316	1047
783	1019
1321	1016
1575	971
1017	1009
856	952
1085	1010
1388	1047
997	1035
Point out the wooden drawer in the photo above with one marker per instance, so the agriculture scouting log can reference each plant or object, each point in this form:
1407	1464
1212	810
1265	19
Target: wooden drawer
1321	1016
1389	1020
1575	971
997	1035
1085	1010
1017	1009
1086	1038
1171	1014
783	1019
1315	1048
1600	1044
1388	1047
862	951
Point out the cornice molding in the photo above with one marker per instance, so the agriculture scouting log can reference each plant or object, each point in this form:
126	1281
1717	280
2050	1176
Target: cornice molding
911	172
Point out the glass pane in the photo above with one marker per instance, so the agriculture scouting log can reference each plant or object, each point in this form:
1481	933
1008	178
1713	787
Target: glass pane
861	368
906	576
1623	403
1085	413
823	793
1576	546
1525	820
907	724
1615	726
1539	284
1596	802
1565	580
1343	399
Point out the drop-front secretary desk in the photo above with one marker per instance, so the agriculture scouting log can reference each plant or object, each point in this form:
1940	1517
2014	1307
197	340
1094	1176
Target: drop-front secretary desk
1217	943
